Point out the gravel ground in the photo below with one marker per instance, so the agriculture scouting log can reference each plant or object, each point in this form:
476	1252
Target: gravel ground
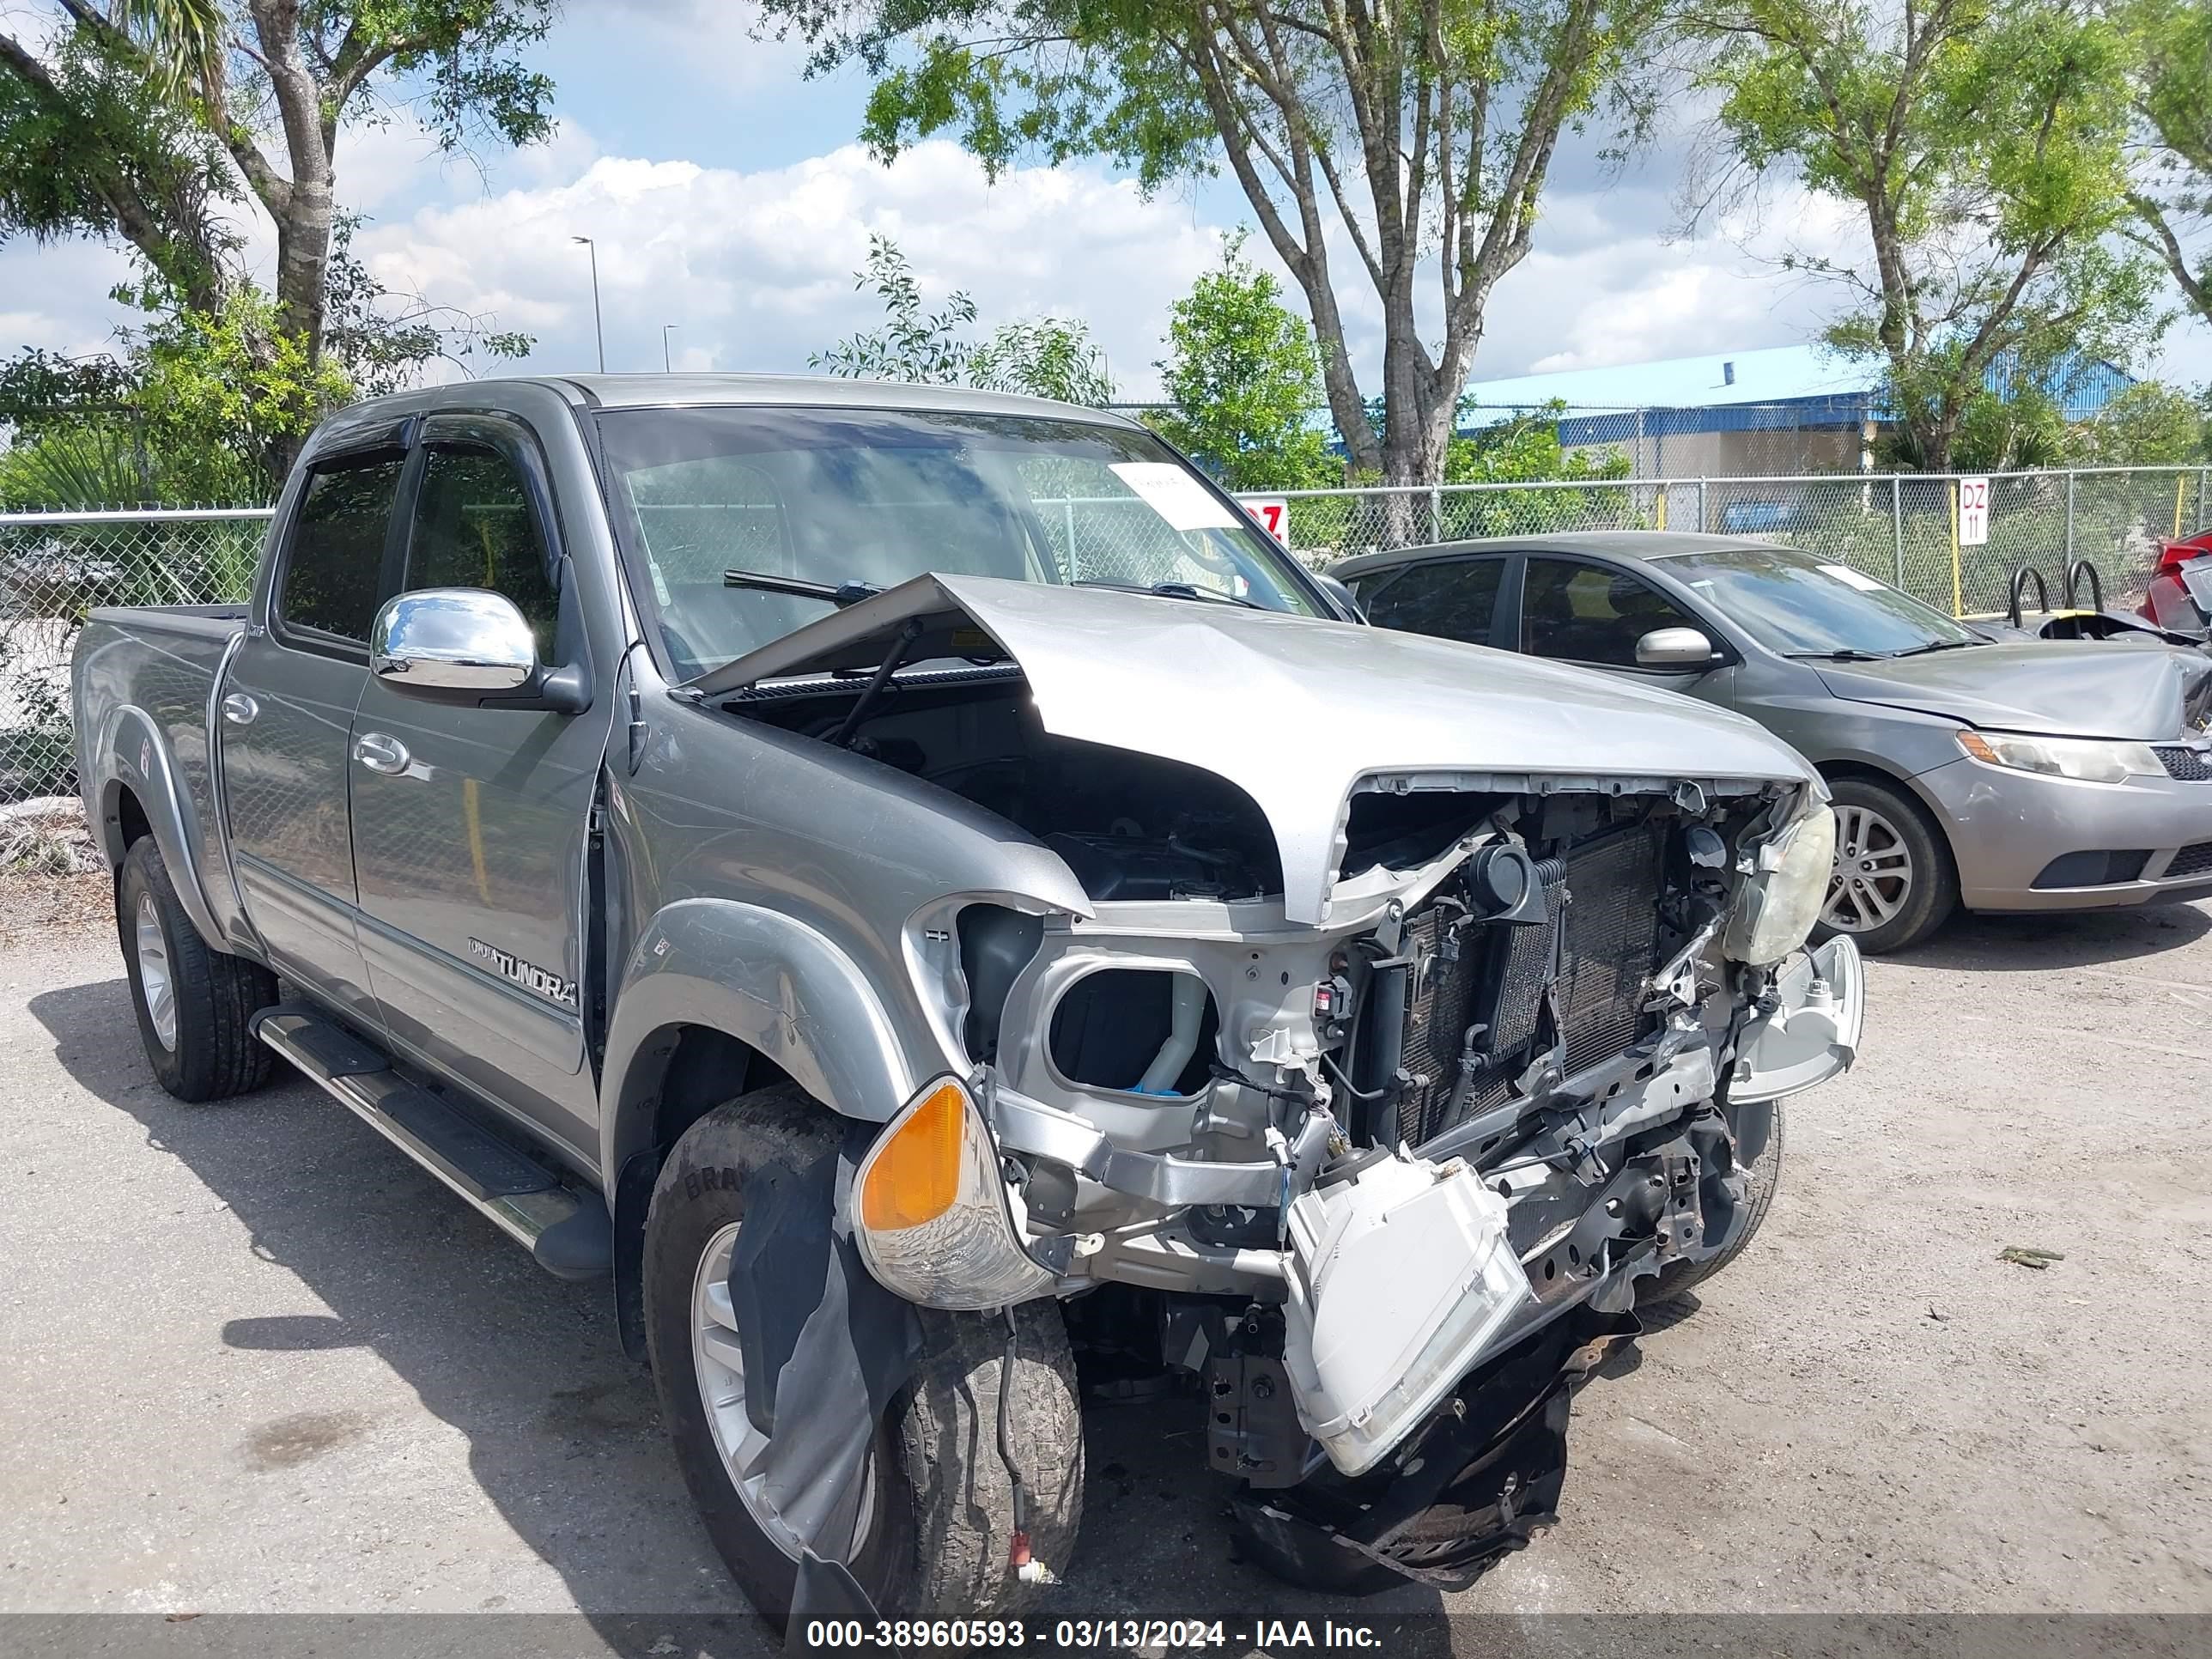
256	1362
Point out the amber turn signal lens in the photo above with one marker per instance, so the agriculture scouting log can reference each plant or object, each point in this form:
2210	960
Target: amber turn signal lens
1978	746
916	1176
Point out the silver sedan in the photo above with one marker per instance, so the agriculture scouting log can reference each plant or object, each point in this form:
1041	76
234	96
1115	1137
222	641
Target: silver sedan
2031	775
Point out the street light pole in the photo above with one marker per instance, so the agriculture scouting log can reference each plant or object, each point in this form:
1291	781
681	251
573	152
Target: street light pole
598	329
665	327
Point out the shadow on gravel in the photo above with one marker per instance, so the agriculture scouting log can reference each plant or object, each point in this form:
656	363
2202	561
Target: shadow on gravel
2060	940
563	1432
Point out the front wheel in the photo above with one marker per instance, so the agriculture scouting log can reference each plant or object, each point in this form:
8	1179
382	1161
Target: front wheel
1761	1176
195	1006
1893	883
934	1531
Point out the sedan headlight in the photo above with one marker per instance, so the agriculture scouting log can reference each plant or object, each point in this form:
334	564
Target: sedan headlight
2092	760
932	1214
1780	902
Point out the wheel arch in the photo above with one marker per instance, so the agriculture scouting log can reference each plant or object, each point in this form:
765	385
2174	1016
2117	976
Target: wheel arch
138	794
679	1072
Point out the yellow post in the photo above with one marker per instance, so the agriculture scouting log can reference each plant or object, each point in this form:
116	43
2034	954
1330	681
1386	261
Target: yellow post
1662	508
1958	600
2181	488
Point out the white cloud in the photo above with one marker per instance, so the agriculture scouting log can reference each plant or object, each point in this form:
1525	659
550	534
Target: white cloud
757	267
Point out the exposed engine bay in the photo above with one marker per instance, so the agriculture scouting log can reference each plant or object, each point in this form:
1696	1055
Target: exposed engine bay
1380	1190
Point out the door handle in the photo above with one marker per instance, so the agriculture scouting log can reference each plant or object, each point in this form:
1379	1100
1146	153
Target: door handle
380	752
240	709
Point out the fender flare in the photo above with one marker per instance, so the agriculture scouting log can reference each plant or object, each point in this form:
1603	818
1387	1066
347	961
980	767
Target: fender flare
131	755
771	982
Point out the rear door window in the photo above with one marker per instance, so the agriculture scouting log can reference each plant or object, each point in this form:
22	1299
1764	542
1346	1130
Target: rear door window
335	563
1590	613
1453	599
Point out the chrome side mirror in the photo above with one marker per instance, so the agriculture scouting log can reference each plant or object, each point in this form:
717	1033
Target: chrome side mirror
1674	648
452	643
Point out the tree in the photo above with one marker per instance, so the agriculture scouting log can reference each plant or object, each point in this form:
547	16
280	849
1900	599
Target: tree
141	126
1043	356
2172	197
1426	133
2149	424
1984	143
1243	381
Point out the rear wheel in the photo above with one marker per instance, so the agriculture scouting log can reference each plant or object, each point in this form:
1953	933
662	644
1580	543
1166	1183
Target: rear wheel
195	1006
935	1524
1893	883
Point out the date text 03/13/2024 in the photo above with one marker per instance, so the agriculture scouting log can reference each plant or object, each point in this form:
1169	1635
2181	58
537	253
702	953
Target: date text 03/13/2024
1085	1634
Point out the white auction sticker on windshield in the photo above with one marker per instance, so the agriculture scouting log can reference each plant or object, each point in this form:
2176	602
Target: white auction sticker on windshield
1860	579
1173	494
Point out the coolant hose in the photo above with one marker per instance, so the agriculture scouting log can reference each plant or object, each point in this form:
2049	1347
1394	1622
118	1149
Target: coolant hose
1185	1011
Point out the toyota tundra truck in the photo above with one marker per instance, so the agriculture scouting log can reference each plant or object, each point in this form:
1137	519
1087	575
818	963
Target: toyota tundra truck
917	894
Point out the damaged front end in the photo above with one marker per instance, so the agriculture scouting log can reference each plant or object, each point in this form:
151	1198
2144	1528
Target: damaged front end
1370	1091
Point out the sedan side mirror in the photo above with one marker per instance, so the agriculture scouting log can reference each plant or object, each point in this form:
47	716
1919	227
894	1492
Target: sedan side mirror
1674	648
466	645
1343	595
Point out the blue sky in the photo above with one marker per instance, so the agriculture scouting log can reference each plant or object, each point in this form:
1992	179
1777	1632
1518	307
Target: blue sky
727	197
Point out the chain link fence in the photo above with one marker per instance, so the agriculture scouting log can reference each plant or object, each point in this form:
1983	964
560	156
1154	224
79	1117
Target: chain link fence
1904	528
55	567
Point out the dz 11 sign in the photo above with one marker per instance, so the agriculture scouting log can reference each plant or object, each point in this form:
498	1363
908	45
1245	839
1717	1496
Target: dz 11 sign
1973	512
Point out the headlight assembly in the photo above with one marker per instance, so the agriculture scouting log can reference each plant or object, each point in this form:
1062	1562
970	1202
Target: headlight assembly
2090	760
1780	902
931	1212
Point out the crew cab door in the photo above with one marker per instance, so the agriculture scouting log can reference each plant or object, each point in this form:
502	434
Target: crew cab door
286	712
470	823
1593	614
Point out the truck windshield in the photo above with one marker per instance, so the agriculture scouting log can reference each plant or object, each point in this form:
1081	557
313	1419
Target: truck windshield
1802	606
836	497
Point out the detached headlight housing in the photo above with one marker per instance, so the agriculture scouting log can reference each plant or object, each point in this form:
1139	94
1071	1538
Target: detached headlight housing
932	1217
1780	901
2090	760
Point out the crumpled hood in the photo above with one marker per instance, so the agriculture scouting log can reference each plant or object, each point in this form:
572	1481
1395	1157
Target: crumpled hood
1293	710
2073	689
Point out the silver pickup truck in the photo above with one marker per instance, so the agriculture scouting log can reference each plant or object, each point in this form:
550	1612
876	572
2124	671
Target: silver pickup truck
917	893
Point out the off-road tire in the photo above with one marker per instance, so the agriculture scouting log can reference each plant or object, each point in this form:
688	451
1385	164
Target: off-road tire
216	1054
1935	892
940	1545
1761	1178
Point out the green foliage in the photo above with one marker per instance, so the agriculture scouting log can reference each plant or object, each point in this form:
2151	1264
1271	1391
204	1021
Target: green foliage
221	394
143	122
1043	356
2173	196
1984	141
2150	424
88	147
77	467
1046	357
1242	382
1526	448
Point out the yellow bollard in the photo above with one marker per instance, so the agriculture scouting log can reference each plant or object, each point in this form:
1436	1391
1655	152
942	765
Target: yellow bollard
1663	506
1958	600
2180	488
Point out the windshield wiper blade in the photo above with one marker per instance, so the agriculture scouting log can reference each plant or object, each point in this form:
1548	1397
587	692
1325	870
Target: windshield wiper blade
842	595
1849	653
1172	591
1941	645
